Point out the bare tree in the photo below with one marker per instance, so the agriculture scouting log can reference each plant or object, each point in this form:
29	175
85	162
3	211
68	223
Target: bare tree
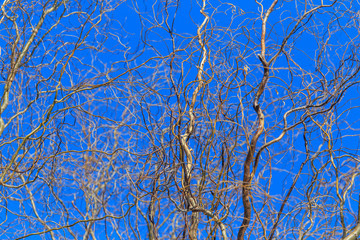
179	119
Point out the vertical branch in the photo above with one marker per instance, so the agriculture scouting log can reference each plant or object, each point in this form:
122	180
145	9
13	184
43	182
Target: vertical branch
185	137
246	185
153	234
16	62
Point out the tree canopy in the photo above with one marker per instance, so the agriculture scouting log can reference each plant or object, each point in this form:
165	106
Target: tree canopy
190	119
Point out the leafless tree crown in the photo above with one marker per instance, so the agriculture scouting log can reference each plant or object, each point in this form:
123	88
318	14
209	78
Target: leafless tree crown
182	119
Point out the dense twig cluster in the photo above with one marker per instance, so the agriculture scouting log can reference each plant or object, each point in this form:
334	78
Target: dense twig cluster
179	119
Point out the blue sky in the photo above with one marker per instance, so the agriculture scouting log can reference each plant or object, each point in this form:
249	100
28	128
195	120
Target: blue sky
107	114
